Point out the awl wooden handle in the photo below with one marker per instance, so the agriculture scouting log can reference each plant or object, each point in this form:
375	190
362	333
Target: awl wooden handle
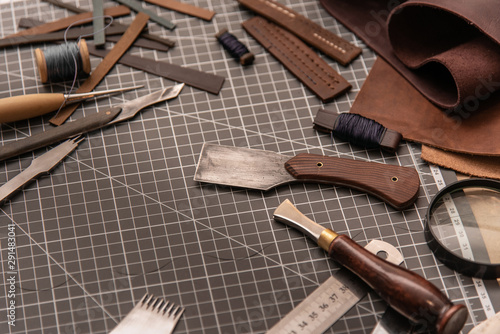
17	108
408	293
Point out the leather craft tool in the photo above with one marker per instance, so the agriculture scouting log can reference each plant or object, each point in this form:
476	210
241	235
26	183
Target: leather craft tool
405	291
462	227
150	316
357	129
308	31
137	6
39	166
105	65
333	298
184	8
21	107
263	170
89	123
298	58
70	20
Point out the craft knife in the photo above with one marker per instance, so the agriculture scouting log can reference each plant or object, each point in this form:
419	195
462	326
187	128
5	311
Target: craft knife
89	123
333	298
405	291
43	164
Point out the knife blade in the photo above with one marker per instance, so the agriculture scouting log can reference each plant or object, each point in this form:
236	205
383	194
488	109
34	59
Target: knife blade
263	170
89	123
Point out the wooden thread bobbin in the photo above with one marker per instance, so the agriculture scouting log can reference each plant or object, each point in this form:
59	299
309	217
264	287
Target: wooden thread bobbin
41	61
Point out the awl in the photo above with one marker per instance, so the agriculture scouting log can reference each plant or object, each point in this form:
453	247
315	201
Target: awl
118	113
263	170
21	107
405	291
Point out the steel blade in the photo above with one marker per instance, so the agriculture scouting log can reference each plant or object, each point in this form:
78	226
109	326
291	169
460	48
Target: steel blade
130	108
241	167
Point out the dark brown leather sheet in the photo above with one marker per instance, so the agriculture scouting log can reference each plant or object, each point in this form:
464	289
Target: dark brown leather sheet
449	50
393	102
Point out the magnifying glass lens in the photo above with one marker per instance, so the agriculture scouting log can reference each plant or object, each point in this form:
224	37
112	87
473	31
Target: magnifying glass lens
464	230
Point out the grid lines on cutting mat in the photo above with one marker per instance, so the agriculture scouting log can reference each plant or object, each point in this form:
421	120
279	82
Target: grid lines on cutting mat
122	216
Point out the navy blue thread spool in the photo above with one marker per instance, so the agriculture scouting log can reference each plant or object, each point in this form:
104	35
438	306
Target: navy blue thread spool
235	48
357	129
63	62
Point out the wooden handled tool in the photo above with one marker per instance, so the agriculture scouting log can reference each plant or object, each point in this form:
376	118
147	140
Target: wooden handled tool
406	292
21	107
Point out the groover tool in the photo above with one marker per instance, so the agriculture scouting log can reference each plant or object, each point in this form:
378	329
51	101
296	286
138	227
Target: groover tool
43	164
21	107
333	298
89	123
263	170
462	227
151	315
405	291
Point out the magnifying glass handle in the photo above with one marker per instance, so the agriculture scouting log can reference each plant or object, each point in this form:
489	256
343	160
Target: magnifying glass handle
408	293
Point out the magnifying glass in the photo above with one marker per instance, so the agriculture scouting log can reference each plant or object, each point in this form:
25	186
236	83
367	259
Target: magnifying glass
463	227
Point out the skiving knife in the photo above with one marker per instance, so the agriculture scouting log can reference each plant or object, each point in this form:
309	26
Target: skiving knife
405	291
43	164
263	170
89	123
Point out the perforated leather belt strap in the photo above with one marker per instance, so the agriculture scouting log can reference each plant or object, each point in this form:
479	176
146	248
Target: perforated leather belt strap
298	58
310	32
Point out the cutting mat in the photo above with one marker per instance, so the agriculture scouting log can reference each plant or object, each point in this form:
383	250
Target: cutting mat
122	216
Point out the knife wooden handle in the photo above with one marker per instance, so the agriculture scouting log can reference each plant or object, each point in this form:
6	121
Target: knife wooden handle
396	185
408	293
56	134
21	107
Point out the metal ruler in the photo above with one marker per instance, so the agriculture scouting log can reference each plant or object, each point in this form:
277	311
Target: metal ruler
332	299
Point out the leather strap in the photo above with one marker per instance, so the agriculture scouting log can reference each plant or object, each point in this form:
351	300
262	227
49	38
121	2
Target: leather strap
162	44
67	21
98	23
106	65
298	58
140	41
184	8
201	80
310	32
137	6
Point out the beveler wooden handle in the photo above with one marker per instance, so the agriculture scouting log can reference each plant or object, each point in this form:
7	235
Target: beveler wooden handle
21	107
396	185
408	293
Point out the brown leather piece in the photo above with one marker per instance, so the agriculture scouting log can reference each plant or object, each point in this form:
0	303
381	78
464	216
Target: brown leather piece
202	80
391	100
106	65
298	58
445	48
67	21
185	8
472	165
313	34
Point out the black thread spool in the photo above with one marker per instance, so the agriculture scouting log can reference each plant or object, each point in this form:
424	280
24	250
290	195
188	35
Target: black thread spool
57	63
358	130
235	48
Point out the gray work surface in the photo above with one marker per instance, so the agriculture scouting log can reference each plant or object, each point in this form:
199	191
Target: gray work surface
122	216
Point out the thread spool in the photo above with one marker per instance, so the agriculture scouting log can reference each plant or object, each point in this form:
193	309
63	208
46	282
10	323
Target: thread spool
235	48
57	63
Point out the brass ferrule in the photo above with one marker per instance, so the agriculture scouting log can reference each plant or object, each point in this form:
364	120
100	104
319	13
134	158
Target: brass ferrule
326	238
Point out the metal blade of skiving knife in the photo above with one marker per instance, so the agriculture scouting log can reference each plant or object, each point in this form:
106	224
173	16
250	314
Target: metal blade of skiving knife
43	164
333	298
242	167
